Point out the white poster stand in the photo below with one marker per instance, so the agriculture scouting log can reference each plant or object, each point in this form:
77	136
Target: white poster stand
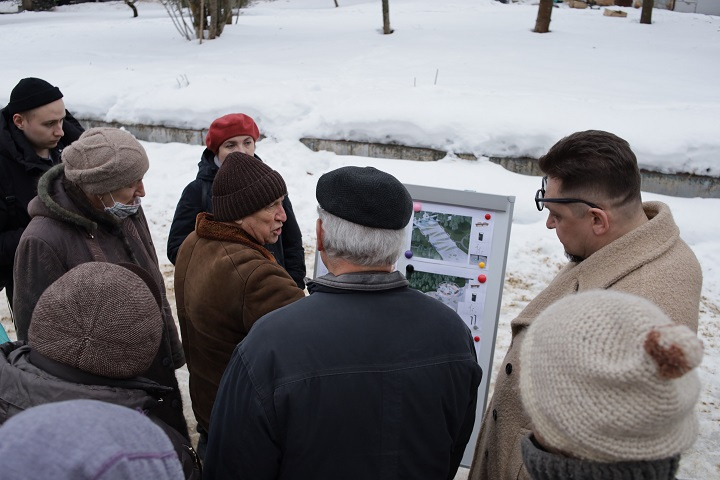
456	251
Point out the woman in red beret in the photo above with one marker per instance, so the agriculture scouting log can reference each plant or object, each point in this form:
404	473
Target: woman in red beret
235	132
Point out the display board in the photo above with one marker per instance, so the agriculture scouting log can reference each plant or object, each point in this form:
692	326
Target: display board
456	252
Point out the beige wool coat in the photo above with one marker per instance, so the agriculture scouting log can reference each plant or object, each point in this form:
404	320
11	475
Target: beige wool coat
224	282
650	261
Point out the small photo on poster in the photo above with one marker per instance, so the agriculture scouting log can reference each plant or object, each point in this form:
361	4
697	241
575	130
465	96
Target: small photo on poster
448	289
441	236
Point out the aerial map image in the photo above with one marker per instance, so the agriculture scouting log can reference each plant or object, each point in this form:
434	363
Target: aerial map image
446	288
441	236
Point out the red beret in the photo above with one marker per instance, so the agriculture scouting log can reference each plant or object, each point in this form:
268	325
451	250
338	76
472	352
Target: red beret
229	126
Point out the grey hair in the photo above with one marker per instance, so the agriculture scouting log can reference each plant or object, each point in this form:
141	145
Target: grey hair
360	245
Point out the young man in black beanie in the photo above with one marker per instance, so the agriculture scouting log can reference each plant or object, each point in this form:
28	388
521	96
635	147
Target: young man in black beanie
366	377
34	129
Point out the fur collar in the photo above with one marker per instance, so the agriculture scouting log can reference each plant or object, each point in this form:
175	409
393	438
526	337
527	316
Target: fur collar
46	191
207	228
66	202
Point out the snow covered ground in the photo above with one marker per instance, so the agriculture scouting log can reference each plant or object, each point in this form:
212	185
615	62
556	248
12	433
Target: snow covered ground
465	76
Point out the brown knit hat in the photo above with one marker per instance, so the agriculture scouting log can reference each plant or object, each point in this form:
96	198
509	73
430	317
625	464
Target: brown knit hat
606	376
100	318
104	159
244	185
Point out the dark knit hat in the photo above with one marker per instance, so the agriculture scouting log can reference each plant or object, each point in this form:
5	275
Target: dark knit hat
104	159
366	196
100	318
31	93
244	185
230	126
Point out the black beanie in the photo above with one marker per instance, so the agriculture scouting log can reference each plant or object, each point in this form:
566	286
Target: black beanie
31	93
366	196
244	185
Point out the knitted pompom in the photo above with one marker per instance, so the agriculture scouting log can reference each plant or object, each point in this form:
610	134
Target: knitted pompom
675	349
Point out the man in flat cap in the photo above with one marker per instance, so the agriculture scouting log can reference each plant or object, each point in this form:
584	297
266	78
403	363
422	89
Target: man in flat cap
34	129
364	378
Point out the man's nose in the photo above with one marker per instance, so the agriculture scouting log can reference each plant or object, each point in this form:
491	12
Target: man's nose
281	216
550	223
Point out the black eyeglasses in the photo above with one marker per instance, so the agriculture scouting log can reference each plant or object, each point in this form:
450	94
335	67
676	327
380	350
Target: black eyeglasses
540	199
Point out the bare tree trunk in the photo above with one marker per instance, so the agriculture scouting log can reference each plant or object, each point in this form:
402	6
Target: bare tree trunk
201	30
228	12
131	4
542	23
646	14
386	17
336	4
212	27
27	5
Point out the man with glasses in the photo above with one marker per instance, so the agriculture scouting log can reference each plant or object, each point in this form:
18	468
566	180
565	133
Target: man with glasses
591	191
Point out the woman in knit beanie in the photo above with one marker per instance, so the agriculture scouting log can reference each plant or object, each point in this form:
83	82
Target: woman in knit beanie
86	440
88	209
235	132
609	383
225	279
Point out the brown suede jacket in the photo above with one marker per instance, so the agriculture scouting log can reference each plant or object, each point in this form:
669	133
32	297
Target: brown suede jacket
224	282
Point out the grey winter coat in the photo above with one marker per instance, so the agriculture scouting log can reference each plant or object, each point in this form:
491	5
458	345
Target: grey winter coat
27	379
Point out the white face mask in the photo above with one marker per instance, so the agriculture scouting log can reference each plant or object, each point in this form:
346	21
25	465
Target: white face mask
121	210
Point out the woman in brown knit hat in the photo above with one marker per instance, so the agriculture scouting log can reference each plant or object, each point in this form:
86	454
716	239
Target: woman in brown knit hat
88	209
225	279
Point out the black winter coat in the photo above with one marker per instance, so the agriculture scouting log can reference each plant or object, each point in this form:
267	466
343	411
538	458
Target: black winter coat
365	378
197	198
20	170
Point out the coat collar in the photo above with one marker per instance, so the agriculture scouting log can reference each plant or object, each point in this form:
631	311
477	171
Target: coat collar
629	252
604	268
209	229
361	281
543	465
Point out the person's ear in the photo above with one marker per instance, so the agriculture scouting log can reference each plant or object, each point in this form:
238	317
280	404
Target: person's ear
319	236
600	221
19	121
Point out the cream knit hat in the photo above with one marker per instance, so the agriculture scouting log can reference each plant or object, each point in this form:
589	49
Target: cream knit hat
105	159
606	376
